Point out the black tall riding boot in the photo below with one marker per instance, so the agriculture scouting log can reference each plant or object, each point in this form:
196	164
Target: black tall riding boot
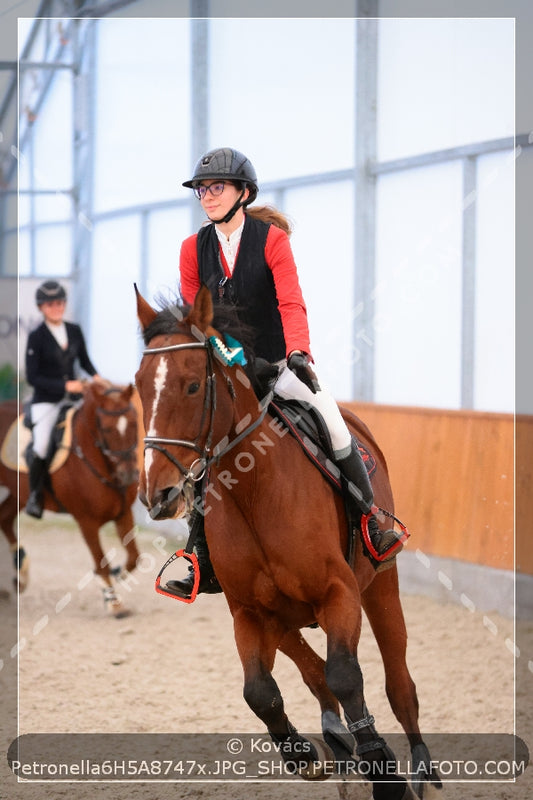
360	489
37	475
208	580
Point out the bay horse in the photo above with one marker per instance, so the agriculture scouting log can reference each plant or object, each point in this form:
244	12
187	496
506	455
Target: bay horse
96	484
277	535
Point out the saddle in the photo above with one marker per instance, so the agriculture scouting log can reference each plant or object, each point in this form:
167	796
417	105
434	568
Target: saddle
15	452
305	423
307	426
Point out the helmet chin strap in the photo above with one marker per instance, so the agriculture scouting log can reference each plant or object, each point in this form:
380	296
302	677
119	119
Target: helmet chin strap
231	213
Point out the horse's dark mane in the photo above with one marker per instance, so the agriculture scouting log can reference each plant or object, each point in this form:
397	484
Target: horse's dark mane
172	319
168	320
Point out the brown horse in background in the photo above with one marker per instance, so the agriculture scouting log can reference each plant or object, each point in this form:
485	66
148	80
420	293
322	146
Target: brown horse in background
96	484
277	536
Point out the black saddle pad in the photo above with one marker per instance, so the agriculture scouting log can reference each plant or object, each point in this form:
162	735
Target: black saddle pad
307	425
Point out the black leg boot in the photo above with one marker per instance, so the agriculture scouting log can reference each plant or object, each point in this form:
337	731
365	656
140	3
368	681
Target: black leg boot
208	580
360	489
37	475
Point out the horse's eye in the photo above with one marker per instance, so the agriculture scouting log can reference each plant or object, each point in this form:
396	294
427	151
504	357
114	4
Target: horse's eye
193	388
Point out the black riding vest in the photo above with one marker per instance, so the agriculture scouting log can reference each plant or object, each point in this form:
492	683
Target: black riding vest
251	288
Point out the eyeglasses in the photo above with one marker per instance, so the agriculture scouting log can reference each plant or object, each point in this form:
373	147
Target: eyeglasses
215	189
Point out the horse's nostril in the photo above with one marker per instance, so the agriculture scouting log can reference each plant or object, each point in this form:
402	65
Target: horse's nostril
169	496
171	493
165	503
161	497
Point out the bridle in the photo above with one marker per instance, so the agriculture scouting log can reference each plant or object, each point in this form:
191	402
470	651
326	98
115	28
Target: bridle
206	453
198	468
114	457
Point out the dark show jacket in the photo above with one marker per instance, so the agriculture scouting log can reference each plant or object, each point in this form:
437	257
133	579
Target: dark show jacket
49	367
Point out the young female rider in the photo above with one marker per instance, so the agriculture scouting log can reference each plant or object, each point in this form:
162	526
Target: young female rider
51	352
245	258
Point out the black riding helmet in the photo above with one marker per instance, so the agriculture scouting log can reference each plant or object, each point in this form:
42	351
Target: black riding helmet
227	164
49	290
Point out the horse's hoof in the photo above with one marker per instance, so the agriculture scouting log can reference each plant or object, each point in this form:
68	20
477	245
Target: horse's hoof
354	790
321	769
339	739
118	610
425	779
427	791
408	793
22	568
114	605
23	576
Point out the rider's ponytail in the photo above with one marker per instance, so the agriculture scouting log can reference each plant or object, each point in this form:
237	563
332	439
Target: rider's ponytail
272	215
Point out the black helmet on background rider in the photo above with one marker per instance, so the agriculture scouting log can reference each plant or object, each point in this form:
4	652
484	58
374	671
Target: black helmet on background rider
48	291
226	164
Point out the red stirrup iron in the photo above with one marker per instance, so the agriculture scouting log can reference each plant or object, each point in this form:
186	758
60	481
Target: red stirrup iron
169	593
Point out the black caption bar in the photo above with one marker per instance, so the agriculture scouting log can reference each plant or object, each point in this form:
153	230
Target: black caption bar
243	757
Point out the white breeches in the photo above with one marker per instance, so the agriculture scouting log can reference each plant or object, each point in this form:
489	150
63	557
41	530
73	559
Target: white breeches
43	417
289	387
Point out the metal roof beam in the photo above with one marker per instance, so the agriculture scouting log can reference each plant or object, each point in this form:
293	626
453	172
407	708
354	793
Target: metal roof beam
50	67
449	154
363	335
12	88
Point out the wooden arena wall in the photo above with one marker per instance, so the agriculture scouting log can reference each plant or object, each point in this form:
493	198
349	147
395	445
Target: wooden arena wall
452	474
453	479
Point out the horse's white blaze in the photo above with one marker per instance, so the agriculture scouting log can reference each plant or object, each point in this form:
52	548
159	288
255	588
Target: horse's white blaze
122	424
159	384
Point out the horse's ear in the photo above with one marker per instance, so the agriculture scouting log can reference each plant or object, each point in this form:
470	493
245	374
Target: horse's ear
145	313
201	314
128	391
98	388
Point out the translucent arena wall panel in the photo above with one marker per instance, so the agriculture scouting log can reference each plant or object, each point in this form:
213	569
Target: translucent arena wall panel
429	249
142	111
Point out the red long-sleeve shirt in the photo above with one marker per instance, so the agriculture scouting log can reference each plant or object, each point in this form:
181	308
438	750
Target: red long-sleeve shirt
280	259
